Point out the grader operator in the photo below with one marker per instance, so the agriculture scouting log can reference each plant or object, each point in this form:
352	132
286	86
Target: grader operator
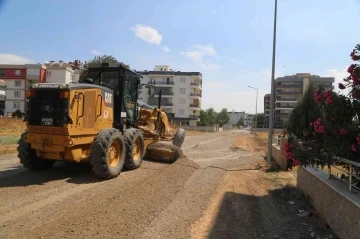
99	121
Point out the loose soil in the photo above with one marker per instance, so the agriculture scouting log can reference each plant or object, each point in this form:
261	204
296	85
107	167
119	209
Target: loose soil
216	189
253	142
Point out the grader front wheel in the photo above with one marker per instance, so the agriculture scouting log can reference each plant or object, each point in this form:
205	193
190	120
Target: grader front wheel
134	144
179	138
108	154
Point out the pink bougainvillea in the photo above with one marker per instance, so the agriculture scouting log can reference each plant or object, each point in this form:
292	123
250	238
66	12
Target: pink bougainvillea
342	131
318	126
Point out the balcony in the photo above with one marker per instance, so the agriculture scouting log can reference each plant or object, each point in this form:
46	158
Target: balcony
195	95
196	85
288	93
168	104
285	100
194	105
196	74
285	106
289	86
155	102
168	93
194	116
162	83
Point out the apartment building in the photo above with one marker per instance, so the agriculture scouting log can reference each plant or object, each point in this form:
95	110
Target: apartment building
249	120
290	88
18	78
235	117
2	97
180	92
267	101
14	77
60	72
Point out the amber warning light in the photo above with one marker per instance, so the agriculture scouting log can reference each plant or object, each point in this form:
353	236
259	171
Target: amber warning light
64	94
30	93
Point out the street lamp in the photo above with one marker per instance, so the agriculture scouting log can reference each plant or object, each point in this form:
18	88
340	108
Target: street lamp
252	123
256	105
271	118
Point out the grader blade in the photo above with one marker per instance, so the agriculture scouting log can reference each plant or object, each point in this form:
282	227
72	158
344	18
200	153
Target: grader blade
163	152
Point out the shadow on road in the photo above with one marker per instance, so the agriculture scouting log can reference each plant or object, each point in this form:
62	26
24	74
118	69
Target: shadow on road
270	216
77	173
19	176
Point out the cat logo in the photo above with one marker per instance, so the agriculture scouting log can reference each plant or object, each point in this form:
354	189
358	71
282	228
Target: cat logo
106	114
108	97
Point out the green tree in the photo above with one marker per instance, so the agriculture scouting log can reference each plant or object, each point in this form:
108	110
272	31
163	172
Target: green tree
207	117
260	120
97	61
305	111
223	117
240	122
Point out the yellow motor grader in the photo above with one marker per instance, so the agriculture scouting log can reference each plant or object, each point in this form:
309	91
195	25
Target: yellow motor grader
100	121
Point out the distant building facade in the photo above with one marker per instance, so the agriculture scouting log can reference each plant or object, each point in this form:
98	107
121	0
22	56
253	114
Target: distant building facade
181	92
235	117
288	89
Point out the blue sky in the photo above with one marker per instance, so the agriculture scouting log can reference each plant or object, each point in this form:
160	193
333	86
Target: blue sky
230	42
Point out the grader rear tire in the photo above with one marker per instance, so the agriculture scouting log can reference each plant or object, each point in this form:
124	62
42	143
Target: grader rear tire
108	154
134	144
179	138
28	157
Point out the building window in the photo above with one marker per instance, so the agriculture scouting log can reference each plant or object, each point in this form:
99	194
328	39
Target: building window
181	112
182	79
17	83
1	72
48	73
17	72
17	94
16	105
181	101
182	90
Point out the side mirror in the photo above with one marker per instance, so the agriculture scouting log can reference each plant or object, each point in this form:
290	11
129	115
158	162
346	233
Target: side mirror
151	91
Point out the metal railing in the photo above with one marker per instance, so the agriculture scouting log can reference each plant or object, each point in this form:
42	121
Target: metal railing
349	171
195	94
164	93
194	105
195	84
287	93
161	82
285	106
350	168
277	140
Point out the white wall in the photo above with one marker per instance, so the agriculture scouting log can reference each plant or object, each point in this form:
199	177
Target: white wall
9	106
162	68
235	117
59	76
11	88
185	106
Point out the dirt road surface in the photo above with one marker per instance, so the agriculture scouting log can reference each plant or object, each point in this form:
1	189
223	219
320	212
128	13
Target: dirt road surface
216	191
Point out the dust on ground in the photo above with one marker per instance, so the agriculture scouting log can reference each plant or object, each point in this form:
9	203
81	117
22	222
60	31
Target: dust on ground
254	142
256	204
194	132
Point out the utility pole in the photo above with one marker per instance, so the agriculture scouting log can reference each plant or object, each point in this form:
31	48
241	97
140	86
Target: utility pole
272	99
255	105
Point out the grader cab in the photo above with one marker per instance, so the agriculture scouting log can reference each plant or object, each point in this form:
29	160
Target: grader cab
100	121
